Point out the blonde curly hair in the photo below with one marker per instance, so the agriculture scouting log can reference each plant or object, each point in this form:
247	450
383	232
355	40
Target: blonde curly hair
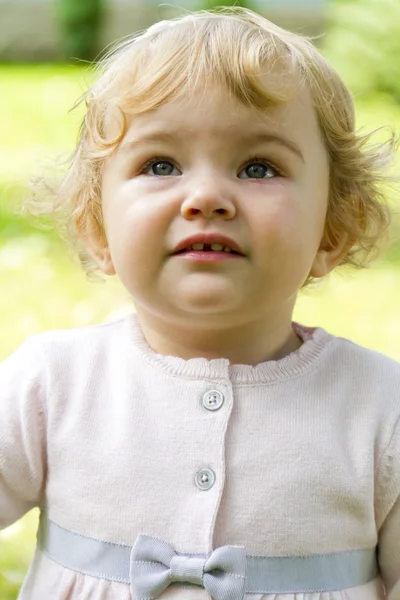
232	46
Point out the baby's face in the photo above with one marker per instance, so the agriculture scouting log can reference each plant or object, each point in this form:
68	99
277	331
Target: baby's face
206	164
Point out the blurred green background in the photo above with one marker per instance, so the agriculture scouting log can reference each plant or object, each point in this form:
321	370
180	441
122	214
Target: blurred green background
43	288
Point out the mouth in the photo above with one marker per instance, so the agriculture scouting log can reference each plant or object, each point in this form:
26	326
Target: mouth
207	253
214	248
208	243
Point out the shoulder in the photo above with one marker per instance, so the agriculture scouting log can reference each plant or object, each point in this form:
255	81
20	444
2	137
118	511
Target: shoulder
80	337
66	346
337	358
358	360
367	379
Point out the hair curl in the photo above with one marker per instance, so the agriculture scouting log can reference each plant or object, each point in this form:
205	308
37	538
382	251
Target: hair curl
230	46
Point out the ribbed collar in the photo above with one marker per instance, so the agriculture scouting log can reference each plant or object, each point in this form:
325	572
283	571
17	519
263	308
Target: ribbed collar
315	343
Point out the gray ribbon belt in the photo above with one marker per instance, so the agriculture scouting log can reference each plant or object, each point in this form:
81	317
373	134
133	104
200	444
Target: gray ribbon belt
151	565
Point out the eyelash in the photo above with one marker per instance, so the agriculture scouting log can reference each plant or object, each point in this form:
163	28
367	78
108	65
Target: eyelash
152	161
248	162
263	161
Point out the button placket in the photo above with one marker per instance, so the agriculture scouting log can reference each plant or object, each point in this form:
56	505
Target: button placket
212	400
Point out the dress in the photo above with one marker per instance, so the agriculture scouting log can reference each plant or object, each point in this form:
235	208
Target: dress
298	457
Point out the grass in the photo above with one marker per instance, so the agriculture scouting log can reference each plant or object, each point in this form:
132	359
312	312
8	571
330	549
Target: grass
46	290
16	548
35	123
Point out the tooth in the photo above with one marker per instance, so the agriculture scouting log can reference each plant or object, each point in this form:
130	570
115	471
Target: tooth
217	247
198	246
226	249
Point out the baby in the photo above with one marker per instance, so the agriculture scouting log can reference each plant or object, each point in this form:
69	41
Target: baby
207	446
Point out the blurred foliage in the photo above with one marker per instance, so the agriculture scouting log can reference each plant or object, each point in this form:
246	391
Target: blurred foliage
17	546
209	4
363	44
36	126
79	23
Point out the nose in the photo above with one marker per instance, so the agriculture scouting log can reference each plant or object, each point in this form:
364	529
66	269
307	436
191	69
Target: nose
207	199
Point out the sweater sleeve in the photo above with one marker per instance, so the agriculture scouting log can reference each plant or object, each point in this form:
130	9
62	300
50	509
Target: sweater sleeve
389	517
22	432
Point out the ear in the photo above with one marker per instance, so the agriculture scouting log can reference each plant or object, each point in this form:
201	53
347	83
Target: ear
102	258
97	248
328	256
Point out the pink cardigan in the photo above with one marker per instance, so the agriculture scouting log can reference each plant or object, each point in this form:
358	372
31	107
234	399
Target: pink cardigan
111	440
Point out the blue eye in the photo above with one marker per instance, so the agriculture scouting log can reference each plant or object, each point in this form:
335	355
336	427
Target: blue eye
259	169
159	168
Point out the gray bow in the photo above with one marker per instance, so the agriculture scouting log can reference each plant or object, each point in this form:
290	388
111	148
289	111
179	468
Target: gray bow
155	564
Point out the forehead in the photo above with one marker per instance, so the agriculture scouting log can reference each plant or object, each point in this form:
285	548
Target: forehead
215	114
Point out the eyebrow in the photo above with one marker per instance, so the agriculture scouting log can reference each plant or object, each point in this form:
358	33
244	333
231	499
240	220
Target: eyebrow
256	138
272	138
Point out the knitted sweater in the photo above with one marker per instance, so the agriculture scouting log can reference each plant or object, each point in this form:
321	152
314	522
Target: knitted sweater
111	440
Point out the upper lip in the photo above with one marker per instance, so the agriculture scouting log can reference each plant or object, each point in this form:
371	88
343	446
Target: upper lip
208	238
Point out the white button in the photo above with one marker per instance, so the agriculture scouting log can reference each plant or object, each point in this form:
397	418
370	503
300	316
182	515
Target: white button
205	479
213	400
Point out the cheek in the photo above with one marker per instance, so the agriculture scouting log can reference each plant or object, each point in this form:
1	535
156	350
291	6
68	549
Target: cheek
289	221
136	222
278	214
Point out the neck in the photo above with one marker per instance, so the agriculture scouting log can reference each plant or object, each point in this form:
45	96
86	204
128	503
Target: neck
248	343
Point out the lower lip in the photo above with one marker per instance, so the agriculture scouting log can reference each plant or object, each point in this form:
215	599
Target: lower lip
207	256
